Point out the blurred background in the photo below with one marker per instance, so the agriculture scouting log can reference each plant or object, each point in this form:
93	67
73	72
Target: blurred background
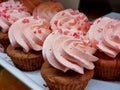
96	8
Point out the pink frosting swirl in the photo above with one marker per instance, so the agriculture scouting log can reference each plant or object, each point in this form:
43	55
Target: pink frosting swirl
105	35
48	9
10	12
69	19
66	52
29	33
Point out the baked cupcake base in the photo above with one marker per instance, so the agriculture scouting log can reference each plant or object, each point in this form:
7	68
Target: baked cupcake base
25	61
4	39
107	68
58	80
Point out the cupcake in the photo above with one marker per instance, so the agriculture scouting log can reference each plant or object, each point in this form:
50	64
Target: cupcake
68	62
105	36
30	4
26	36
69	19
10	12
48	9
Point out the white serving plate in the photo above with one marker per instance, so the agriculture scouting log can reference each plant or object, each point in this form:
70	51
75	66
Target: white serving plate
35	82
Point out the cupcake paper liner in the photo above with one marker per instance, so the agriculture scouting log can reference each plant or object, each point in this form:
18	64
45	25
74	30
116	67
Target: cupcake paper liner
107	68
70	80
25	61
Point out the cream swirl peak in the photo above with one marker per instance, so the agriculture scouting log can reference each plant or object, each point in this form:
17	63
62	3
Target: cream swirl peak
66	52
105	35
69	19
29	33
11	11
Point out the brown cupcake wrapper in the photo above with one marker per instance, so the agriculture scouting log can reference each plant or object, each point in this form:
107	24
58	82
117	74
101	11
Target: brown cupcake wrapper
107	68
27	65
107	72
25	61
70	80
79	86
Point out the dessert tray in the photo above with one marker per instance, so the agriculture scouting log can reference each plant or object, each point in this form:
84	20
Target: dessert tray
35	82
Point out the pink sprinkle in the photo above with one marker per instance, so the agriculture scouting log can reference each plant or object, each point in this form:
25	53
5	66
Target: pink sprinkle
22	9
72	13
66	32
34	32
55	22
63	13
111	26
4	11
50	28
82	17
10	6
60	24
5	16
97	42
86	28
98	21
6	7
43	17
76	35
39	31
79	28
78	18
100	30
18	5
26	21
60	31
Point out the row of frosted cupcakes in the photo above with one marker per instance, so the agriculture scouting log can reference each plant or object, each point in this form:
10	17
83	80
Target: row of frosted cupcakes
68	49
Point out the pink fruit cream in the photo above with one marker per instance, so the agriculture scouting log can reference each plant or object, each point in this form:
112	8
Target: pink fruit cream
29	33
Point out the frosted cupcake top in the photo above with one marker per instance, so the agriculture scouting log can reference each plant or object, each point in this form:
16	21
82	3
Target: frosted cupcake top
29	33
69	19
11	11
105	35
48	9
65	52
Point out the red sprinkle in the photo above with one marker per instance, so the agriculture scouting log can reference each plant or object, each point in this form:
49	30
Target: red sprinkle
72	13
63	14
34	32
98	21
79	28
55	22
39	31
0	5
26	21
66	32
5	16
76	35
60	24
60	31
